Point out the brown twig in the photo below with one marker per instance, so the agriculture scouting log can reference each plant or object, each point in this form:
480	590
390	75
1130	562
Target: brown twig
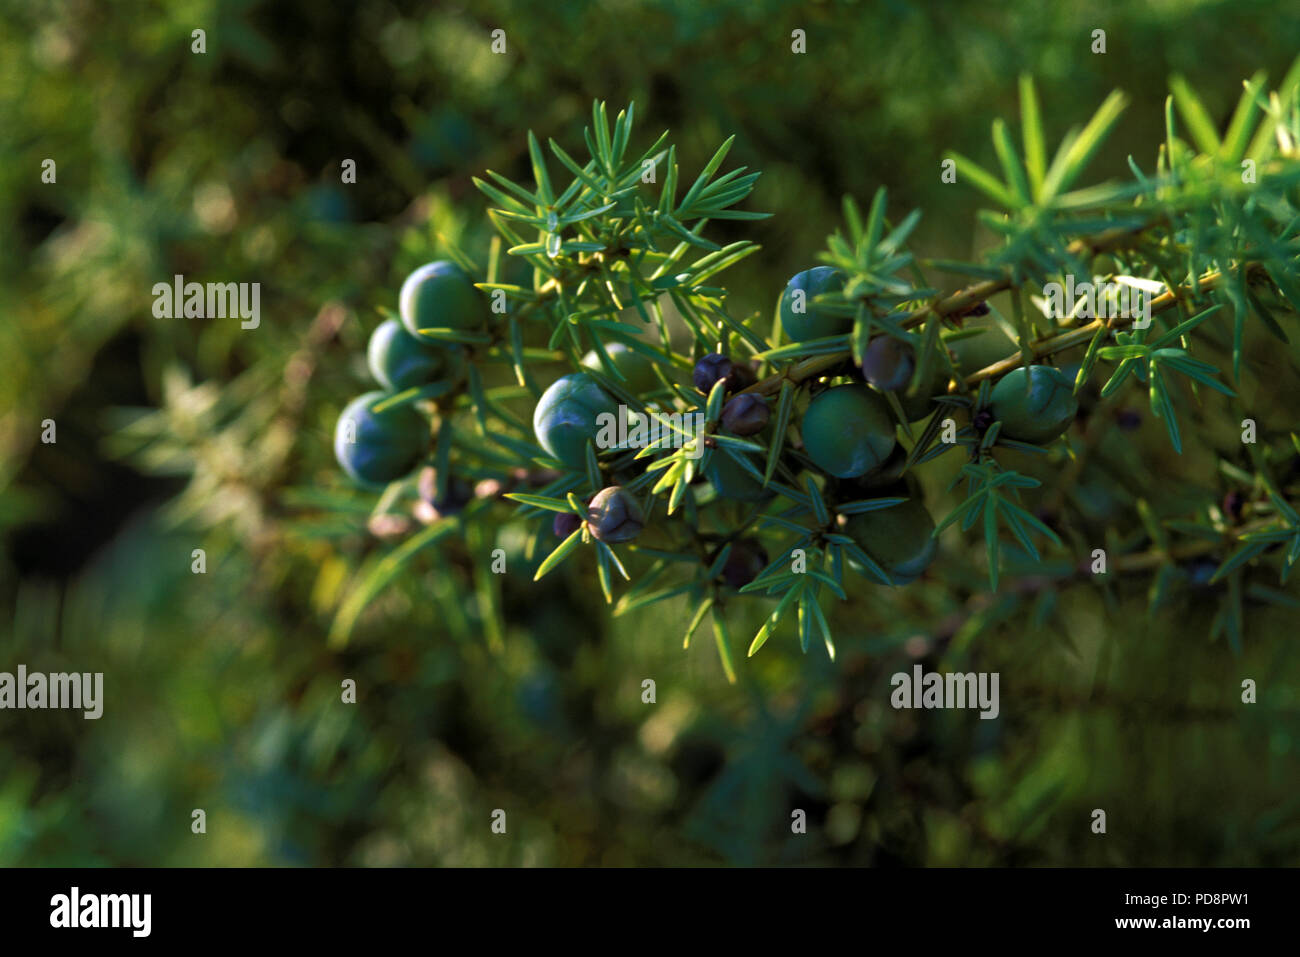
963	300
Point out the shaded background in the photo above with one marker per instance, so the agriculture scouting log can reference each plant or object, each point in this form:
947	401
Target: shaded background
221	692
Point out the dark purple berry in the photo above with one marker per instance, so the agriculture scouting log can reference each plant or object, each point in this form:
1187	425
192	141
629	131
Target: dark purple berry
888	363
714	366
709	369
746	560
614	516
565	524
459	492
1200	571
746	414
1128	420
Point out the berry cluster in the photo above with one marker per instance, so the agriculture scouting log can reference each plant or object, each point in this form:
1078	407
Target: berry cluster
380	438
846	434
696	442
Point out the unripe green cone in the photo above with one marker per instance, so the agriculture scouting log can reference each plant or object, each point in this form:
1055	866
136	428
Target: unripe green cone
439	295
375	449
636	368
876	483
566	417
975	352
399	361
813	322
899	539
1034	404
848	430
732	481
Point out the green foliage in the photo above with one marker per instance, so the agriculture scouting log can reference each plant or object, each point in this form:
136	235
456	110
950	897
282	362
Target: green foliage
614	263
481	690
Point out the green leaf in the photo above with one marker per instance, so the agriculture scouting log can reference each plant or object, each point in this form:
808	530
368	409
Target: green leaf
1082	148
803	350
542	502
600	125
702	180
626	605
1035	150
373	579
455	335
1243	554
1163	407
1089	359
1010	162
1183	328
561	552
1202	372
820	511
540	174
1237	138
774	619
784	408
982	180
584	174
723	642
530	202
991	538
825	629
508	204
867	505
1195	116
687	235
876	219
701	610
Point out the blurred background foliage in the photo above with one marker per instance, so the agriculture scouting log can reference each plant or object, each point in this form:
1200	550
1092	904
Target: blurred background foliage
222	692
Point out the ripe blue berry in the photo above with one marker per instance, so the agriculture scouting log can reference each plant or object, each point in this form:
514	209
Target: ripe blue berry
377	448
400	361
566	417
440	295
